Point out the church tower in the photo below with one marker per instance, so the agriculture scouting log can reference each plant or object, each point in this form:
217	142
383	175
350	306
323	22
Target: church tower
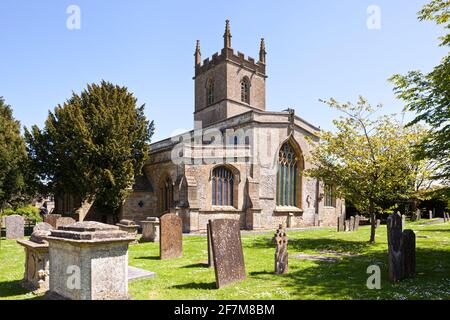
229	83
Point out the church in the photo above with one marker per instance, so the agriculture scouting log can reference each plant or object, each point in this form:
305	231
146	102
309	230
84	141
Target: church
240	161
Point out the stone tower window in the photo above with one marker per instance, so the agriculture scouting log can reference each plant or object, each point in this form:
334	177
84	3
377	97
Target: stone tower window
245	90
210	92
287	176
222	187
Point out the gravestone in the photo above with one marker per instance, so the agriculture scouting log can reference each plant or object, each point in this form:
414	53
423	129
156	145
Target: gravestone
150	230
352	223
228	256
210	252
409	253
403	221
378	223
446	217
36	275
97	254
15	227
171	236
357	221
394	234
430	213
51	219
340	223
347	225
281	252
64	221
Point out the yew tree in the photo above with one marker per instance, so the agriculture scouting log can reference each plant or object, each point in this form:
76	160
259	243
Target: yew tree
13	160
92	146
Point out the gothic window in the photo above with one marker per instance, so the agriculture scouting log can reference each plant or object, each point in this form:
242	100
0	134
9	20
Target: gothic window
245	90
167	195
210	92
222	187
288	176
330	199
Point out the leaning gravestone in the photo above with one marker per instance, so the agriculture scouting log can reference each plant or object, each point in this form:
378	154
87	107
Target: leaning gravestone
210	252
229	264
51	219
281	252
88	261
409	253
171	236
15	227
394	234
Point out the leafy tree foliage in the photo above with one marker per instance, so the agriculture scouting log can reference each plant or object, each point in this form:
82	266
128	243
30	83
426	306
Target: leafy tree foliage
92	146
368	161
13	160
428	94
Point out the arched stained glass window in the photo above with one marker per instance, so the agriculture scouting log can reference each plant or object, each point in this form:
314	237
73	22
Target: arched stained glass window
287	176
222	187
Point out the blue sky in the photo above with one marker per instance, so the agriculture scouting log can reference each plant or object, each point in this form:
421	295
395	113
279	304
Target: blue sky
316	49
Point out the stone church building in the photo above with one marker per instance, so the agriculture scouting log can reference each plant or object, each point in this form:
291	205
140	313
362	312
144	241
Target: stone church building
240	161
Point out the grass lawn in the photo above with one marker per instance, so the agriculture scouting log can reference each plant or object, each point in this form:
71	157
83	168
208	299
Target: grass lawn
189	278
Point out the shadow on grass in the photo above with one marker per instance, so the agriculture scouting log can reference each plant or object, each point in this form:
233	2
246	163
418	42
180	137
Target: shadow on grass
347	278
194	285
148	258
12	288
197	265
336	245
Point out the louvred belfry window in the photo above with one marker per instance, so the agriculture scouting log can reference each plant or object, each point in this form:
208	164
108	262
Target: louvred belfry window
287	176
222	187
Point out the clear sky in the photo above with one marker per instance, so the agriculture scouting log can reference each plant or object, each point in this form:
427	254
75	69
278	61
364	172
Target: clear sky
316	49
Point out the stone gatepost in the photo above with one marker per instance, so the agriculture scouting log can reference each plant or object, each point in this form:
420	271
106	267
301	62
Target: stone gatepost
88	261
150	230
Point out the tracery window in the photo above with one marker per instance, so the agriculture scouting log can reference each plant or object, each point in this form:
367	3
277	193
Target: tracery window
222	187
287	176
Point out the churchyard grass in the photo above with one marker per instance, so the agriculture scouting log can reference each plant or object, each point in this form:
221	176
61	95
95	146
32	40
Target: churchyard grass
190	278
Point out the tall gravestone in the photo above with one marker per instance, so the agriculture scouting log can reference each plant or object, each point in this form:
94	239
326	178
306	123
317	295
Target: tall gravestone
210	252
341	223
357	222
409	253
171	236
228	256
281	252
15	227
394	234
